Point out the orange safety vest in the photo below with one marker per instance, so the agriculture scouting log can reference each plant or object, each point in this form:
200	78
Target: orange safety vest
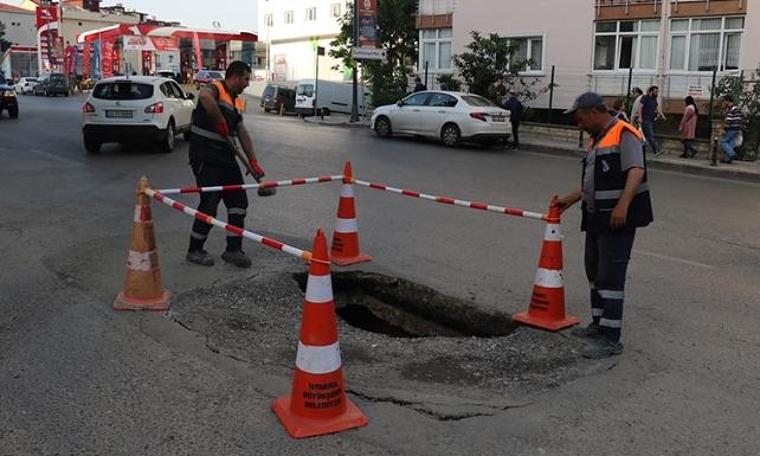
230	108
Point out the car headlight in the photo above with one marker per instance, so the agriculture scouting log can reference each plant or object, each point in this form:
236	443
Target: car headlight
9	93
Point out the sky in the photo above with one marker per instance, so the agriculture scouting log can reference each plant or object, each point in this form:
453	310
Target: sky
230	14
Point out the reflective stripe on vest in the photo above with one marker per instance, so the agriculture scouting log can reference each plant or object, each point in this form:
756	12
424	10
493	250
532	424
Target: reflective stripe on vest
608	154
224	102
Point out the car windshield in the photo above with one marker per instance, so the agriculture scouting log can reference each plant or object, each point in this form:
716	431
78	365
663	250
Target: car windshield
58	78
306	89
31	79
478	101
123	91
215	75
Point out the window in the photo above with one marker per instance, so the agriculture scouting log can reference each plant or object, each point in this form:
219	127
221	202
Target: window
436	48
269	20
706	44
529	53
335	10
477	101
123	91
311	14
622	45
416	99
441	100
289	17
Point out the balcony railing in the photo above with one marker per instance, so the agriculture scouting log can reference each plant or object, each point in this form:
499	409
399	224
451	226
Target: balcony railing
627	4
433	7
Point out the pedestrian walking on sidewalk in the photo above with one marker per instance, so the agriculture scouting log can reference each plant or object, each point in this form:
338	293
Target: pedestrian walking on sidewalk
615	202
688	128
618	110
638	94
216	122
418	85
734	124
649	113
516	110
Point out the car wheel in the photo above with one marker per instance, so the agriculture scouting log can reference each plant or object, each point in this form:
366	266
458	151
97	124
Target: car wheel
13	112
383	127
91	145
170	139
450	135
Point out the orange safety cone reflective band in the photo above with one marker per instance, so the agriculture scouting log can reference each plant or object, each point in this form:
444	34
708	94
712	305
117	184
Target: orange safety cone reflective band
143	289
345	246
318	404
547	304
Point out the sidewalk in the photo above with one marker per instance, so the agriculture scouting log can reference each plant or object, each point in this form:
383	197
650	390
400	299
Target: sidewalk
339	120
741	170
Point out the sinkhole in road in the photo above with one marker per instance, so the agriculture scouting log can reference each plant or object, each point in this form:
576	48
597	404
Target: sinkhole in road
400	308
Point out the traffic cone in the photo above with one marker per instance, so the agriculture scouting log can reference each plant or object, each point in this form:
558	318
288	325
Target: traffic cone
318	404
143	289
345	245
547	305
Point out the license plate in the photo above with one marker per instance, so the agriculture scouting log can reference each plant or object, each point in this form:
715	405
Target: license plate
498	118
119	114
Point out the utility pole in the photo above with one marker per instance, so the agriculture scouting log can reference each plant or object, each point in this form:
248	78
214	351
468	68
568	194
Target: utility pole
355	102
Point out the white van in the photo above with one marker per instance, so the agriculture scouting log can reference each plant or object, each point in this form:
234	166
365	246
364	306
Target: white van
333	97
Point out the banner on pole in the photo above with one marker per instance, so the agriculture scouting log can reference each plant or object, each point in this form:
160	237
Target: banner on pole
368	36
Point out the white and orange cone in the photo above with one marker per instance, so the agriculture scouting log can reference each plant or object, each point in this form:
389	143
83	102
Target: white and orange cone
318	404
547	304
345	246
143	289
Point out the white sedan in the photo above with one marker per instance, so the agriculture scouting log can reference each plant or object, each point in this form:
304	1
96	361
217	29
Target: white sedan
25	86
129	109
453	117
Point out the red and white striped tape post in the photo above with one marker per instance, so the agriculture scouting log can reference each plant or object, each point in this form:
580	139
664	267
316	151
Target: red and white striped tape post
271	243
265	184
454	202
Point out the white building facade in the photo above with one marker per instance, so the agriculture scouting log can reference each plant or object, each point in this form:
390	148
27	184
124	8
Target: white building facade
292	30
600	44
20	25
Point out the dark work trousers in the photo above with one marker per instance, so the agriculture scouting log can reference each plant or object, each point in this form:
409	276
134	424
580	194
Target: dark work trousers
607	256
236	203
516	134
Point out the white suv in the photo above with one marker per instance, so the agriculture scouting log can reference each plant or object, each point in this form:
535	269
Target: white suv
128	109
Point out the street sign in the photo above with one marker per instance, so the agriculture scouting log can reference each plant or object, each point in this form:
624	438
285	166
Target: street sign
369	53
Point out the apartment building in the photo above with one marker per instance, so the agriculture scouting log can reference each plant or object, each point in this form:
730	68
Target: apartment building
20	25
292	30
601	44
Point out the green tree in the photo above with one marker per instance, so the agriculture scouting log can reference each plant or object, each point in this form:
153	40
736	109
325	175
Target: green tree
398	35
449	81
491	57
4	45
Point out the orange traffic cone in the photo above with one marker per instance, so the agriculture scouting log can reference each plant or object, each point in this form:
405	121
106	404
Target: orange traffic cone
318	404
345	245
547	305
143	289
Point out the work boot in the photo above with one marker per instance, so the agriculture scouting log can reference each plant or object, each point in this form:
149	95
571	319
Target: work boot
590	332
200	257
238	258
602	348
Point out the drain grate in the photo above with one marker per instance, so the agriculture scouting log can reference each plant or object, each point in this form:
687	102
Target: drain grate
401	308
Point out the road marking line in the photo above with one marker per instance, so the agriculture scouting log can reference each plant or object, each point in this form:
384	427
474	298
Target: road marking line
674	259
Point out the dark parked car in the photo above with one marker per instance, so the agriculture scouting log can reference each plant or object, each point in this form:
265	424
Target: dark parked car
53	84
278	98
8	100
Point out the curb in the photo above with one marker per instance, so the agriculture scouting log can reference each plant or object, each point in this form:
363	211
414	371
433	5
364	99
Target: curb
344	123
712	171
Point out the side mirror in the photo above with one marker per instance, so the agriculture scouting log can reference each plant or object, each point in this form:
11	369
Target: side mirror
190	96
400	103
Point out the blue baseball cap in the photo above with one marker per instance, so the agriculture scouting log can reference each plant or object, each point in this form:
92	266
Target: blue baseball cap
587	100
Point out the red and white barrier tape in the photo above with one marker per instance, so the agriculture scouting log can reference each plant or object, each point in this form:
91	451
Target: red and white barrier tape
265	184
454	202
277	245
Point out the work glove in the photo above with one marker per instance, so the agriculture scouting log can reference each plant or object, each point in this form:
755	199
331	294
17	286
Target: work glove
222	128
256	170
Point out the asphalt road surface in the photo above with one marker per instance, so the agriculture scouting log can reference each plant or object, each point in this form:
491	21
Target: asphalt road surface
77	378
